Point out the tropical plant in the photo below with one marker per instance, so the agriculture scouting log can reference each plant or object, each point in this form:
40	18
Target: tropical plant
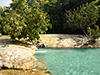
1	11
83	17
25	21
95	32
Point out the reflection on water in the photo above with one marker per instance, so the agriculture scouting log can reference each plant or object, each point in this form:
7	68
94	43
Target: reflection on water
40	51
72	61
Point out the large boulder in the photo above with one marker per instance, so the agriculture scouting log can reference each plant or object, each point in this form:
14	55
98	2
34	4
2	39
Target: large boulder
16	58
13	56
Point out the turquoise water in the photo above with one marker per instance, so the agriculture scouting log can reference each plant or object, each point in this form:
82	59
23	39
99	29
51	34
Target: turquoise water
71	61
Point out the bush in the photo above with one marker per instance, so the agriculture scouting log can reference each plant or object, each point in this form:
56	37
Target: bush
83	17
57	9
25	21
1	11
95	33
2	16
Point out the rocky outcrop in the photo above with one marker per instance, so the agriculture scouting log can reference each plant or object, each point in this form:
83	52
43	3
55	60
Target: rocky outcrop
40	65
57	41
67	41
21	72
17	58
91	44
62	40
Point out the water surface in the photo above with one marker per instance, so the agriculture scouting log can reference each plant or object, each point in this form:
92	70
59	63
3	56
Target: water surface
71	61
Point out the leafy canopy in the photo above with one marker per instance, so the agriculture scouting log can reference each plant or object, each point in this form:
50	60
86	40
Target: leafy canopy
26	21
83	17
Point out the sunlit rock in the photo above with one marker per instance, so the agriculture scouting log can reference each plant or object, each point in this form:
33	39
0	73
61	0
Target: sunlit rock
40	65
21	72
16	58
34	48
66	43
19	57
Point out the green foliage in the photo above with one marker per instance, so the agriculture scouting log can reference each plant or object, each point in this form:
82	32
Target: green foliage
94	33
0	34
83	17
13	24
19	4
25	21
57	9
76	3
1	18
1	10
21	22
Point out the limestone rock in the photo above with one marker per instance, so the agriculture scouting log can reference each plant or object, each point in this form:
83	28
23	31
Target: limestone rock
21	72
40	65
40	45
34	48
66	43
13	56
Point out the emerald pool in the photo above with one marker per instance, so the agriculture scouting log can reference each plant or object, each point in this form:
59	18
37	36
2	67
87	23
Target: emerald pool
71	61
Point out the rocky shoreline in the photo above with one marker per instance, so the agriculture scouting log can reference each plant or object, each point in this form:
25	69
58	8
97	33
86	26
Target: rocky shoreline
18	59
66	41
55	41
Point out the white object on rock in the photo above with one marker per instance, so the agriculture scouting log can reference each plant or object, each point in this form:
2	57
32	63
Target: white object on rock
40	51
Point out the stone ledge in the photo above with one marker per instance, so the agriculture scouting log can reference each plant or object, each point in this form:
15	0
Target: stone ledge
66	41
16	58
55	41
62	40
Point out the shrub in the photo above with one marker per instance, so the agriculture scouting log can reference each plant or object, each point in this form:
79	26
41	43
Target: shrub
57	9
83	17
25	21
1	11
95	33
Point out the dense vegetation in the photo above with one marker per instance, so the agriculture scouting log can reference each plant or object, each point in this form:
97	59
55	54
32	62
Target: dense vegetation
29	18
24	21
57	15
83	18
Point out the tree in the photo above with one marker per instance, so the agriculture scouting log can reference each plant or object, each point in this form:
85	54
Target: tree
95	33
83	17
1	10
2	15
25	21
